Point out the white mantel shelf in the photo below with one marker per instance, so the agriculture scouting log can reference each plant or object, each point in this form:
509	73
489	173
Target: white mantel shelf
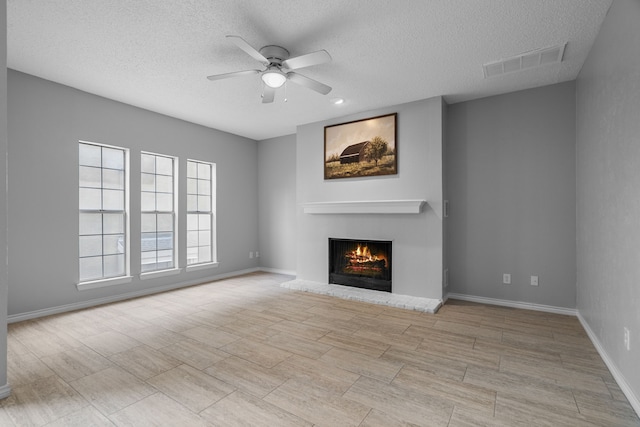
365	207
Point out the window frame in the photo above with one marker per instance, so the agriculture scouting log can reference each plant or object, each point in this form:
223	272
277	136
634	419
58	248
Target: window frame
213	261
98	282
174	269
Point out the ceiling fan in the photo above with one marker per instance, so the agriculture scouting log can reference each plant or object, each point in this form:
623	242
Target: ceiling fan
279	68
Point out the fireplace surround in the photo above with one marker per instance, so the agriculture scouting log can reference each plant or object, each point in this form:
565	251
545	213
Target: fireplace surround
360	263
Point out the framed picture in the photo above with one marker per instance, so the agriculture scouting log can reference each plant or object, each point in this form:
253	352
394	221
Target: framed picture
365	147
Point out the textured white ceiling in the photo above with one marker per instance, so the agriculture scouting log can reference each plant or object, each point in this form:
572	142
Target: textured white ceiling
156	54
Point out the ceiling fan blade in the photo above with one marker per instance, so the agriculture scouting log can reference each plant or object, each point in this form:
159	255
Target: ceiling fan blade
268	94
313	58
239	41
234	74
309	83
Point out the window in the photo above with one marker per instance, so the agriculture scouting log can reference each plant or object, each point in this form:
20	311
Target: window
158	217
200	212
103	212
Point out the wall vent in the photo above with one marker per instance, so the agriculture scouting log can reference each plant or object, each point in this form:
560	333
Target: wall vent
536	58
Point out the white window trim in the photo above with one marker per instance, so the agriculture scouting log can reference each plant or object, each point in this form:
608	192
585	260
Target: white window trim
103	283
159	273
203	266
213	212
126	278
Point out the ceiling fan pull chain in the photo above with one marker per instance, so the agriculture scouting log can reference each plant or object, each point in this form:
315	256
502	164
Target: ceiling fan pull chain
285	91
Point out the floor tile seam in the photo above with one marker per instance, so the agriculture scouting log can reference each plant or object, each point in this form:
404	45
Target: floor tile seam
255	363
86	401
360	375
120	352
256	397
575	401
540	381
456	357
63	351
97	408
304	355
363	419
112	364
157	392
397	373
187	408
453	409
275	403
360	352
416	396
299	335
571	373
7	415
496	330
602	377
240	389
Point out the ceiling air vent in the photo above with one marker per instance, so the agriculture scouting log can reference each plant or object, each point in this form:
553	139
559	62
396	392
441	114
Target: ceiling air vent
536	58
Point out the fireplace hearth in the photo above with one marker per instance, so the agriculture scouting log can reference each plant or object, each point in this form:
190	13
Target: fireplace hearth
360	263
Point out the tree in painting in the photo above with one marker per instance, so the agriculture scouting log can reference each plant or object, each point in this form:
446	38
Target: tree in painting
376	149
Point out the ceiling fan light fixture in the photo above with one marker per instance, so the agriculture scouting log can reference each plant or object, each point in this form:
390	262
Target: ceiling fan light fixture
274	78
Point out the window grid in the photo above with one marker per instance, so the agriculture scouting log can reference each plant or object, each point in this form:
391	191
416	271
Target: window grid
102	212
157	212
200	212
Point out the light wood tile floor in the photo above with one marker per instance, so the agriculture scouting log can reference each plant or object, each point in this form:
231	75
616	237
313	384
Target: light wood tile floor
244	351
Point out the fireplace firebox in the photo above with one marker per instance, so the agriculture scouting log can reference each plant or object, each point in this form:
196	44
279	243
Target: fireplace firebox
360	263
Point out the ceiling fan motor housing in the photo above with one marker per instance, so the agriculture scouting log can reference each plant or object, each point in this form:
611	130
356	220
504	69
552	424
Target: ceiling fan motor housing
275	54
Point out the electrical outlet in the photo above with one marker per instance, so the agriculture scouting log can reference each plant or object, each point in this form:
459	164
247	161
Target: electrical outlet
534	280
446	277
627	339
250	255
257	254
506	278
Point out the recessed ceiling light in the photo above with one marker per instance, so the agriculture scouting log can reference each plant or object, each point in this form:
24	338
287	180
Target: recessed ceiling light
337	101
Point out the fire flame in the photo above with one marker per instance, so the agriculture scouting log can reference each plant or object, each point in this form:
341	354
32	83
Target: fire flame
362	254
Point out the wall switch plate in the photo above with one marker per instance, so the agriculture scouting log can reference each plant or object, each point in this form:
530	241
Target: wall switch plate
446	277
627	339
250	255
506	279
257	254
534	280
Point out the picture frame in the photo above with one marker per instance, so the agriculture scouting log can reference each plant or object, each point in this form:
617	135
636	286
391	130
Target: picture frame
361	148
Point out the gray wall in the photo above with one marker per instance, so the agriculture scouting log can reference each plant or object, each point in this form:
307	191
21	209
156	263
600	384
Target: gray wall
510	173
608	194
417	239
4	284
277	203
46	120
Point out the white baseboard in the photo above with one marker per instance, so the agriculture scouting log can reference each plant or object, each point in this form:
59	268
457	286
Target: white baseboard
613	368
120	297
5	391
514	304
278	271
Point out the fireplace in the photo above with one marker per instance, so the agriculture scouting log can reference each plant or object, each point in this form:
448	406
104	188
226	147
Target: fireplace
360	263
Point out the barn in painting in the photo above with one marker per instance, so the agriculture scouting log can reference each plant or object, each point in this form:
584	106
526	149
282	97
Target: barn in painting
353	153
